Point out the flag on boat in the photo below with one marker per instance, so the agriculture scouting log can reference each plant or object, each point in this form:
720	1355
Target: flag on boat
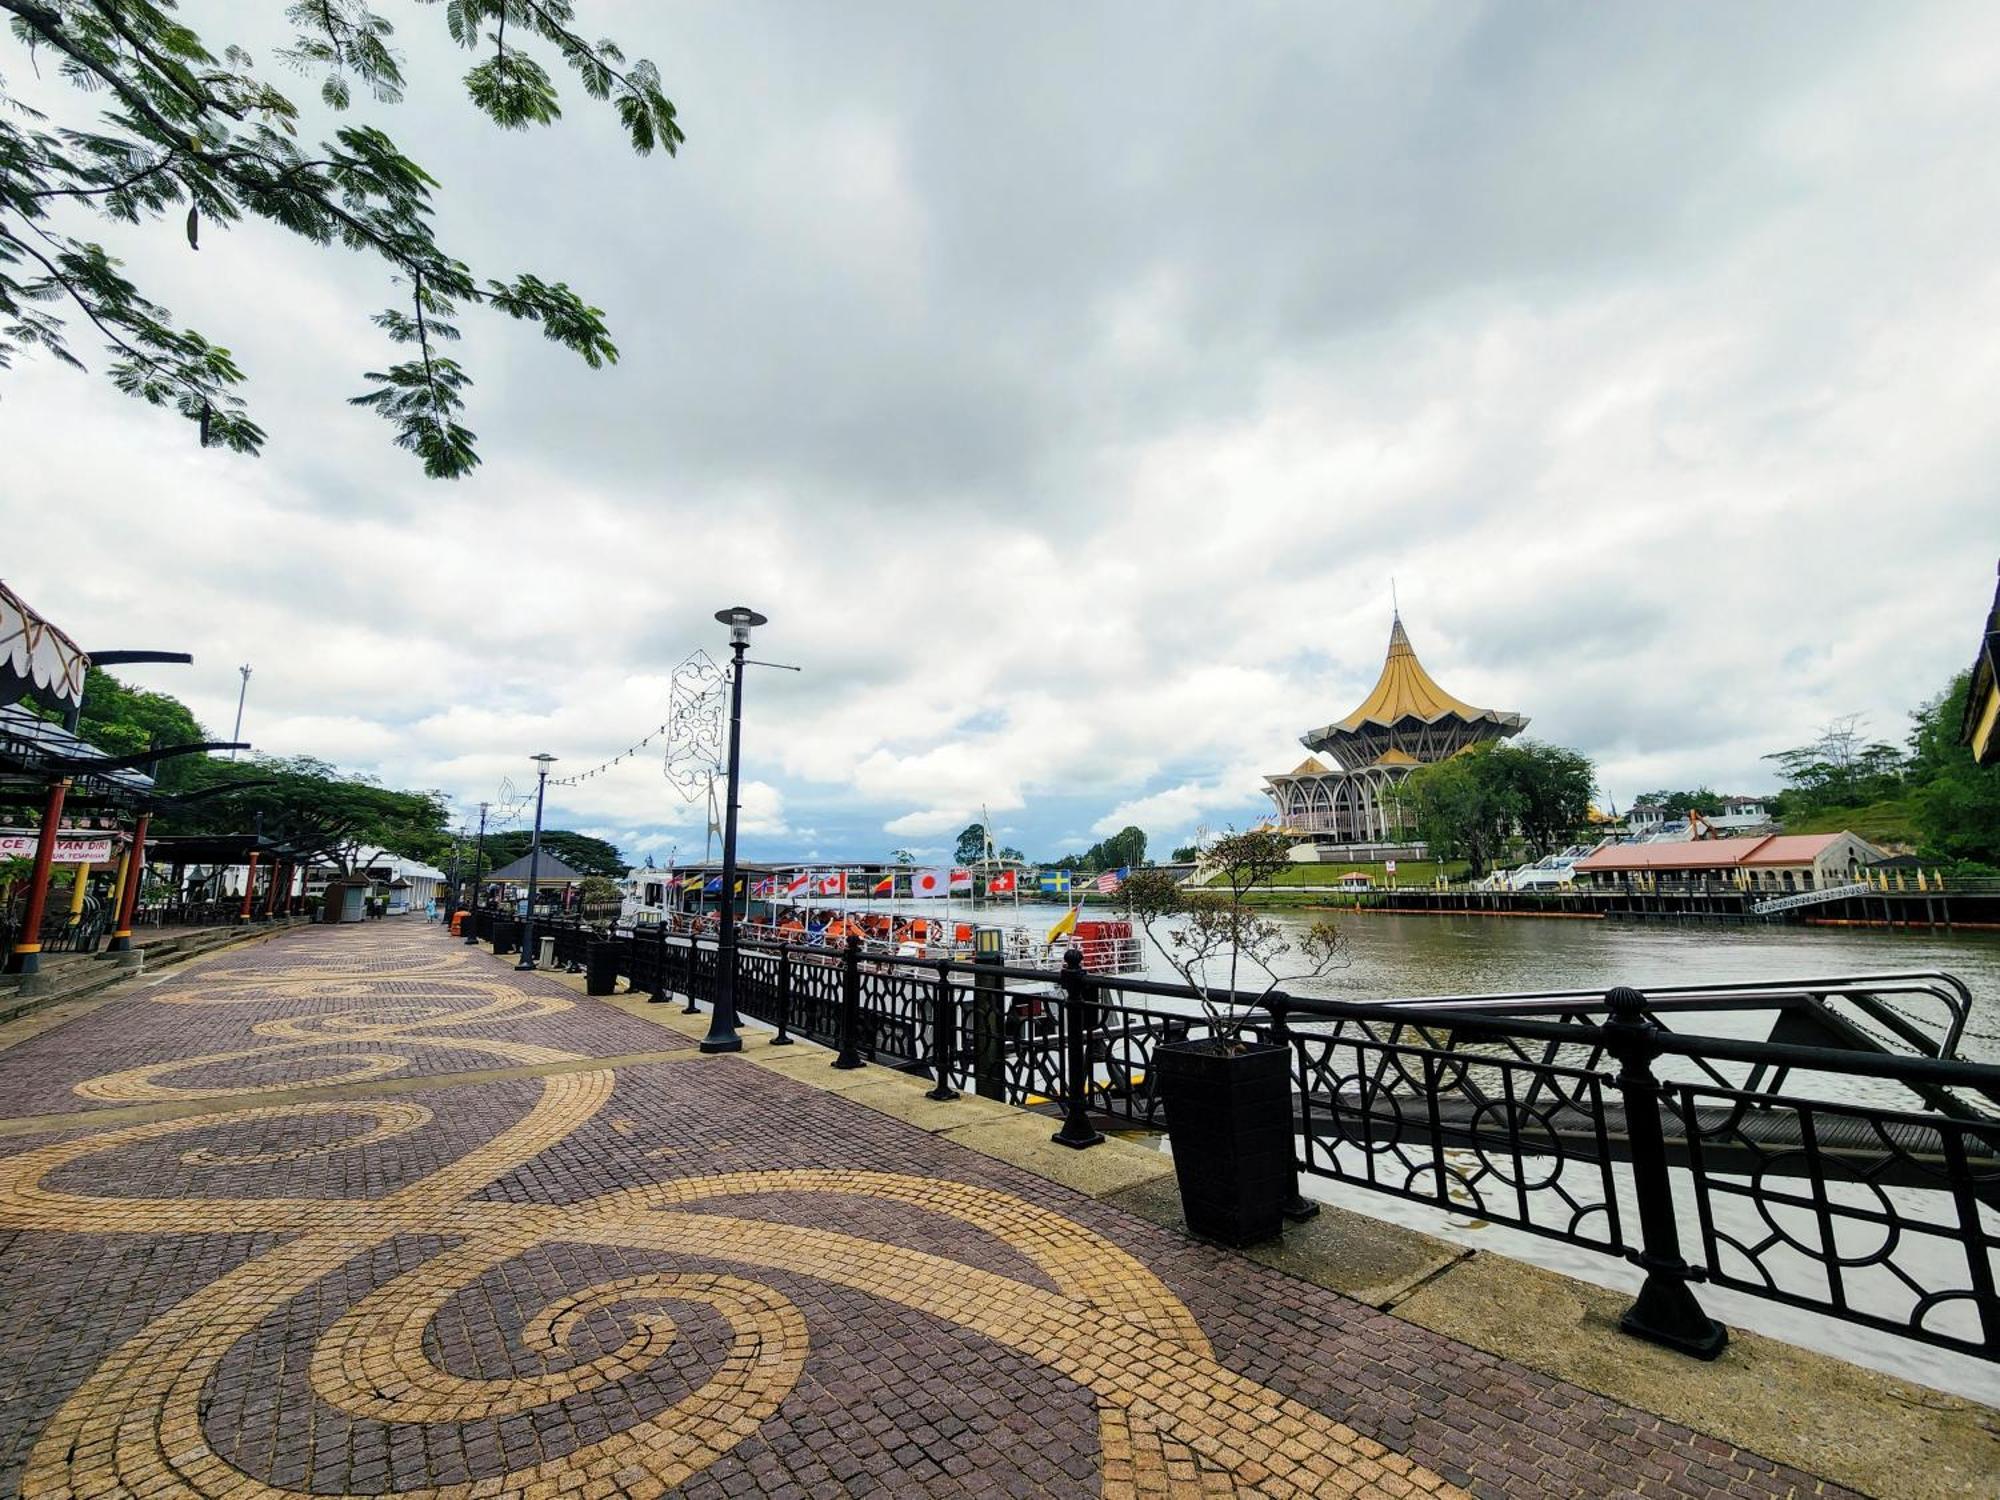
961	882
886	886
1054	882
799	883
1110	880
1065	925
833	885
714	886
765	887
1000	883
929	883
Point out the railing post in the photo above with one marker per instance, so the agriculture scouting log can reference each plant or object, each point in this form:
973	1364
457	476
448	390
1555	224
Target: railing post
1666	1311
944	1028
660	995
784	1036
1077	1131
1298	1207
850	1004
693	956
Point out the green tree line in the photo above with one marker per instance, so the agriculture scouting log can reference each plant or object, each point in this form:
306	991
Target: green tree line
1928	787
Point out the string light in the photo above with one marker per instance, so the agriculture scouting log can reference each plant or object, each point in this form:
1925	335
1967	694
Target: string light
631	752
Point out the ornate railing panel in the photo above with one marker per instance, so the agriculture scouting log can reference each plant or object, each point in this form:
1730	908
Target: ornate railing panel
1514	1141
1889	1219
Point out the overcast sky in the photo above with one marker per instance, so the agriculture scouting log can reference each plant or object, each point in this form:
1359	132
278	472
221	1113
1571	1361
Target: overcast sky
1067	382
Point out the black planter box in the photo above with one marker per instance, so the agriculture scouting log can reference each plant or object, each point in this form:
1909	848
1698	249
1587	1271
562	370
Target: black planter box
506	937
1229	1116
601	969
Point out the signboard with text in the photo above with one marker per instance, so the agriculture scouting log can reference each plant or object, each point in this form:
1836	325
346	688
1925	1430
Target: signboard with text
71	848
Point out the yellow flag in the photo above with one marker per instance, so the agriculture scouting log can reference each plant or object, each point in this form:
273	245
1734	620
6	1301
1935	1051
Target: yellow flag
1065	924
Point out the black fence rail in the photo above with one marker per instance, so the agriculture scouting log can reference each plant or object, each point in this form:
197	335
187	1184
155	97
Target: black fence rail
1764	1165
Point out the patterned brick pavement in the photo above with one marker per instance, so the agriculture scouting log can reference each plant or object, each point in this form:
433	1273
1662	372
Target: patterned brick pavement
688	1275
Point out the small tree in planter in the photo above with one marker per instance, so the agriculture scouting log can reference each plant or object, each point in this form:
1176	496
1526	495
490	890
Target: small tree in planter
1228	1096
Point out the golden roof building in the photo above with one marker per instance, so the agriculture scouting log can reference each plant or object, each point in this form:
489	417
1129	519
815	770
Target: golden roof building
1406	721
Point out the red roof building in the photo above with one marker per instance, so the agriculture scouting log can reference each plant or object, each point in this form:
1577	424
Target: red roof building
1779	861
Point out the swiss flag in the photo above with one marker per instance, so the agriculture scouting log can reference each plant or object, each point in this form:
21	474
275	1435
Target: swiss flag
961	881
833	885
1000	884
927	883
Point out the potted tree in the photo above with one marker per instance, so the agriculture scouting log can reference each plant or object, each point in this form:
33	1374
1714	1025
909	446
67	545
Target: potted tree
1228	1095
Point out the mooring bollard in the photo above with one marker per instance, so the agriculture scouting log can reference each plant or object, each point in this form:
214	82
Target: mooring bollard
944	1027
784	1036
850	1004
1666	1311
1077	1131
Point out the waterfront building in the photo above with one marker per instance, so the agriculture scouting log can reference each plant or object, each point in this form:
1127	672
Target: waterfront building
1734	815
1406	721
1982	703
1776	862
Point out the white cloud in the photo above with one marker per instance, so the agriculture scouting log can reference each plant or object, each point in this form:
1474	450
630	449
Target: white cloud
1071	462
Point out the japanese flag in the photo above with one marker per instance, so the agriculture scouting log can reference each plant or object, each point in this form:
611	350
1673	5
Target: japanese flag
928	883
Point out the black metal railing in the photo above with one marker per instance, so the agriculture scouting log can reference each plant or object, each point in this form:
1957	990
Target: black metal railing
1575	1116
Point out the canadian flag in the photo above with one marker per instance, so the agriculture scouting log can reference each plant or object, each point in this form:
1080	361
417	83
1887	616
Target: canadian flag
961	882
928	883
833	885
1000	883
799	885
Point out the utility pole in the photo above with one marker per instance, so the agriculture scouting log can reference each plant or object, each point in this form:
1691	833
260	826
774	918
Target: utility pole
241	693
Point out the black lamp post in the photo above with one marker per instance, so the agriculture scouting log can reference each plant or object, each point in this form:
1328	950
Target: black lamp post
542	763
472	901
722	1035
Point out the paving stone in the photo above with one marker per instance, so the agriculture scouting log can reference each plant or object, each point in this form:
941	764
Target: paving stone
698	1275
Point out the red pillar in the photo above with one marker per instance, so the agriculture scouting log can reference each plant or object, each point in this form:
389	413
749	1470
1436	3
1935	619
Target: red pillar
249	888
27	955
271	895
128	898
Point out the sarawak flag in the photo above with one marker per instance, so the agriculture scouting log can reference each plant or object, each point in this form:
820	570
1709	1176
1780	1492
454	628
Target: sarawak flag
833	885
1001	884
886	886
928	883
961	882
799	885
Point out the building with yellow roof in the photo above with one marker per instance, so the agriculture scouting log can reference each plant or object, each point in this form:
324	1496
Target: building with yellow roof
1406	721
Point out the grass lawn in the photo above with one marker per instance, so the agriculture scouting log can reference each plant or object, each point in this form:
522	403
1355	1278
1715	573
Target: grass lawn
1408	872
1890	822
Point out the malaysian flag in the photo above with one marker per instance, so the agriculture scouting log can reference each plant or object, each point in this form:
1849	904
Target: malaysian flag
1110	880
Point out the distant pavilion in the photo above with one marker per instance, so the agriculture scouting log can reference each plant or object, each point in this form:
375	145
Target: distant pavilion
1406	722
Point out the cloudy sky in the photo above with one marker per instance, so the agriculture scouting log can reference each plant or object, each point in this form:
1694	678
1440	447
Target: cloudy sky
1067	382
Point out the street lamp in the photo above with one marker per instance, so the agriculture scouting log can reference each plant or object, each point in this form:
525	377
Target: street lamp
722	1035
472	901
542	764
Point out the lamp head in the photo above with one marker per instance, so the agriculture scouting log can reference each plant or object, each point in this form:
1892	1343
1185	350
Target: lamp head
542	762
740	618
